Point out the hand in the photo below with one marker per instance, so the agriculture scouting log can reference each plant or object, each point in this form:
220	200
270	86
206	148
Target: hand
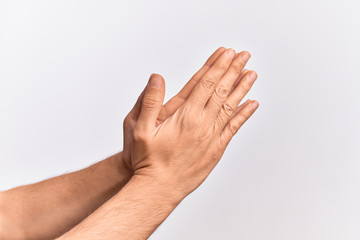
173	147
168	109
180	151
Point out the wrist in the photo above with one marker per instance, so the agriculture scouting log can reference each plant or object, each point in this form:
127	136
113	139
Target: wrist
167	190
122	172
137	210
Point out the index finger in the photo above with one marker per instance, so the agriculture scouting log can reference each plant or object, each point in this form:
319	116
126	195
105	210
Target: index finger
175	102
185	91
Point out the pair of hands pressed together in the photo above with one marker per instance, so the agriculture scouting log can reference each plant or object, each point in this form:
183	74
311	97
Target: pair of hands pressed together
169	150
179	143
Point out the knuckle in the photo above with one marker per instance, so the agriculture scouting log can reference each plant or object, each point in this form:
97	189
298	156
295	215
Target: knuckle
235	70
139	136
222	92
208	83
187	124
228	109
233	128
189	119
152	101
223	65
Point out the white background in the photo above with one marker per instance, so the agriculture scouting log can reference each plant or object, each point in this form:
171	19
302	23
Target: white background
71	70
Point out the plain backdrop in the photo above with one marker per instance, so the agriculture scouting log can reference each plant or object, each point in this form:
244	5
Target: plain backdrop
70	71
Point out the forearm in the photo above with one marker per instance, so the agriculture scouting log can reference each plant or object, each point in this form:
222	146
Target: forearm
133	213
49	208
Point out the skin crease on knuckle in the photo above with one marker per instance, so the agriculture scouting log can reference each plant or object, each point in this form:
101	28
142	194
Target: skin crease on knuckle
233	127
222	92
208	83
152	101
227	109
219	123
190	120
211	78
225	113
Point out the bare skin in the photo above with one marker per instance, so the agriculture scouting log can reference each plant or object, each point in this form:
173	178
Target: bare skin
47	209
171	158
62	202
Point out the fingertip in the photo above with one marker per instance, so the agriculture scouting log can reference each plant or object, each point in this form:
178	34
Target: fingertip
245	56
221	48
230	52
252	75
247	101
246	53
255	104
156	80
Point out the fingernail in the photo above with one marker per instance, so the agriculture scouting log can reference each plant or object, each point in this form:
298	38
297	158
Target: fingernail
230	53
252	76
254	104
245	56
155	81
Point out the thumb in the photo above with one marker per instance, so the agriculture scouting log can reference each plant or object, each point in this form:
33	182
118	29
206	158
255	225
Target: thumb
152	102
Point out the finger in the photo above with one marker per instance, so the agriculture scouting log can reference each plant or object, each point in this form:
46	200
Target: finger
242	74
135	111
151	102
230	105
237	121
175	102
206	85
223	88
130	122
239	108
184	93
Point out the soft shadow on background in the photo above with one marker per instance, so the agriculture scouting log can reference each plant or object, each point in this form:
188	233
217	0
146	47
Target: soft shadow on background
71	70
